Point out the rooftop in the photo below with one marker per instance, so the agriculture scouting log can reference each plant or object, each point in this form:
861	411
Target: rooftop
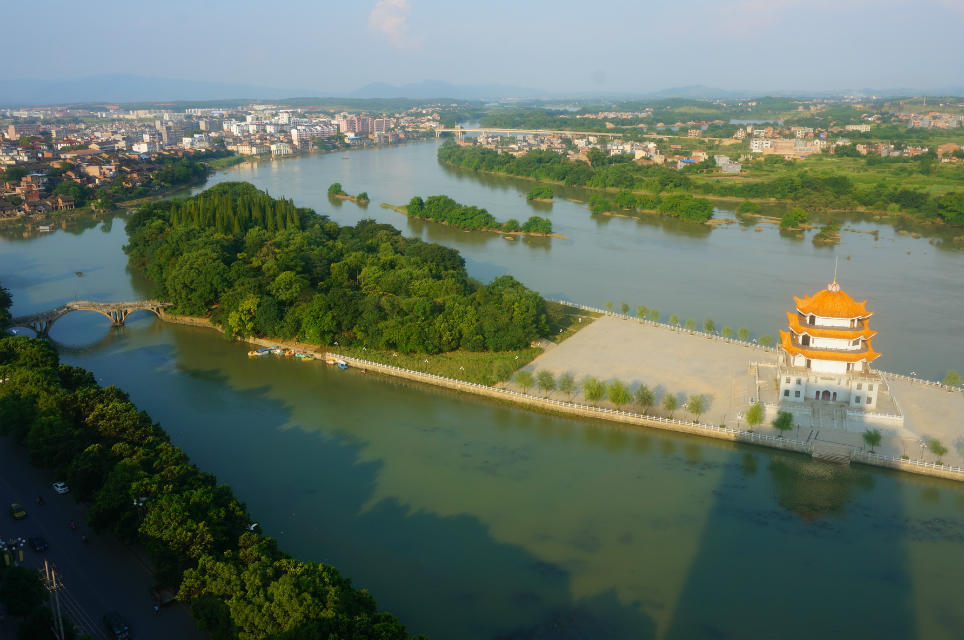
866	351
832	302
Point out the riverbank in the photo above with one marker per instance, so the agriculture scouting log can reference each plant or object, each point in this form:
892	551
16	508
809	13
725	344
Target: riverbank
404	211
838	214
123	206
565	407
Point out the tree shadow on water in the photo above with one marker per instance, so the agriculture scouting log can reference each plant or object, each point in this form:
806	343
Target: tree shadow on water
313	488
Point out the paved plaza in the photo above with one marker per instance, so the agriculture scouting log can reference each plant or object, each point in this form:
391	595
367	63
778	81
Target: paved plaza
684	363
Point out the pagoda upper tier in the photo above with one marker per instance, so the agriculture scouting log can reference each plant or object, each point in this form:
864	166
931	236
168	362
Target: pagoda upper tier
832	302
829	333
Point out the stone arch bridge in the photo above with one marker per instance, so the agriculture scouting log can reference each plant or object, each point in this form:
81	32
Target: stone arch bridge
116	312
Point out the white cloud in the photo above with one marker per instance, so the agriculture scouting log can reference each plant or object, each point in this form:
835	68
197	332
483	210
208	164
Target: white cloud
390	19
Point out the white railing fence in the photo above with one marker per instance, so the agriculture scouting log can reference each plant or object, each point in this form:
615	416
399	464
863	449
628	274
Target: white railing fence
602	411
691	426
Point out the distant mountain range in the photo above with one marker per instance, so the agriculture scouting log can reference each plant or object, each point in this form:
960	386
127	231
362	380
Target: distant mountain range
439	89
428	89
701	92
132	88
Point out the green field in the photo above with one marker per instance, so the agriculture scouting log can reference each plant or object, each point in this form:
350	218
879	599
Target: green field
942	179
482	367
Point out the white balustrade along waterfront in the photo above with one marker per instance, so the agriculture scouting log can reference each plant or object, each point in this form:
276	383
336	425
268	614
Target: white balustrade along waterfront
672	424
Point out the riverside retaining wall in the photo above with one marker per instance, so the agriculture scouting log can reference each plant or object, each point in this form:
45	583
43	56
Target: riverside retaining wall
601	413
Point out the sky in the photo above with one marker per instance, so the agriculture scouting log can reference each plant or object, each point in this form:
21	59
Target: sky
559	46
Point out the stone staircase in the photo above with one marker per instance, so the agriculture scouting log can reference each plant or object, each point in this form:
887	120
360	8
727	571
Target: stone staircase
830	452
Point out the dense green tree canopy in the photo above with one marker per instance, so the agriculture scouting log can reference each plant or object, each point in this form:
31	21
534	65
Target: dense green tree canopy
446	210
808	189
260	266
143	489
5	302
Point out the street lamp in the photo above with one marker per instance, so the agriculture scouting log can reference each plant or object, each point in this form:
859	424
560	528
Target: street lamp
921	458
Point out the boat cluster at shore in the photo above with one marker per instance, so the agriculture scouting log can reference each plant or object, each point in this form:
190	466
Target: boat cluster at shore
292	353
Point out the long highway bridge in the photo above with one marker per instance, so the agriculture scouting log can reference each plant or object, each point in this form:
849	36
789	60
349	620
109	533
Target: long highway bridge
460	132
116	312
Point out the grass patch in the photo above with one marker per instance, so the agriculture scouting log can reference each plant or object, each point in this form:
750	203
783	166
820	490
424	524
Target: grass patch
225	162
482	367
565	320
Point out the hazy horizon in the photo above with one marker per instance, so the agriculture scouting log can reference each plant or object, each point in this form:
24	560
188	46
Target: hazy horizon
617	47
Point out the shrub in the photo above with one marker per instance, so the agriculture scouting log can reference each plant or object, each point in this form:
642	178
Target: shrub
793	219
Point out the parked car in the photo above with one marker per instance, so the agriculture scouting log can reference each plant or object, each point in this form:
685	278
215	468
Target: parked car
38	543
17	511
117	626
61	488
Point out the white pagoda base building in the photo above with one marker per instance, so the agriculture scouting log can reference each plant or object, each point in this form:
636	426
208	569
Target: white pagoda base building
825	359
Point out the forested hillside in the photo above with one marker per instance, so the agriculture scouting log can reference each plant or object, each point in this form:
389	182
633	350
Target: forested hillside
143	489
260	266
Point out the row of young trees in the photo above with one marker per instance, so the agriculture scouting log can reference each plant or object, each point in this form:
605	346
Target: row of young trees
617	392
446	210
690	324
143	489
260	266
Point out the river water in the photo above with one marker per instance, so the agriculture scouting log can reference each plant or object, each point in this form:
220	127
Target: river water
470	519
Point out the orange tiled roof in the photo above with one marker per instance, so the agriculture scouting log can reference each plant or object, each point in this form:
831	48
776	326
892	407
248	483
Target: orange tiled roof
832	302
787	345
820	332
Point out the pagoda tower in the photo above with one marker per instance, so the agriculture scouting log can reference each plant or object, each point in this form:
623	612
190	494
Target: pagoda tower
827	351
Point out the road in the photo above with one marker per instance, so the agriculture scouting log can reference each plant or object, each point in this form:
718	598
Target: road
100	575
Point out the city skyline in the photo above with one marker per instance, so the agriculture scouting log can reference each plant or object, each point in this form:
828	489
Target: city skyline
621	48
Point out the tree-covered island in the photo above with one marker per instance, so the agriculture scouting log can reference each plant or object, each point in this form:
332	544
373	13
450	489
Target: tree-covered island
542	193
335	191
259	266
471	218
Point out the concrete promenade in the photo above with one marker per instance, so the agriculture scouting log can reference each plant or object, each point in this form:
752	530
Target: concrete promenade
681	363
668	361
600	338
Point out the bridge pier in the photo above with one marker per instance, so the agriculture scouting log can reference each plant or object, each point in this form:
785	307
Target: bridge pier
41	327
40	323
118	316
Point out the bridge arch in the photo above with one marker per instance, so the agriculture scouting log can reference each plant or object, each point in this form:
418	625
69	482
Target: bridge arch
116	312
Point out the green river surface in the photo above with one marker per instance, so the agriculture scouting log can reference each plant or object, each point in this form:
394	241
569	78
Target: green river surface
472	519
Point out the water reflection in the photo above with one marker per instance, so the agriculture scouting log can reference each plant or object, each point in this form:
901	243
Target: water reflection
542	208
815	491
